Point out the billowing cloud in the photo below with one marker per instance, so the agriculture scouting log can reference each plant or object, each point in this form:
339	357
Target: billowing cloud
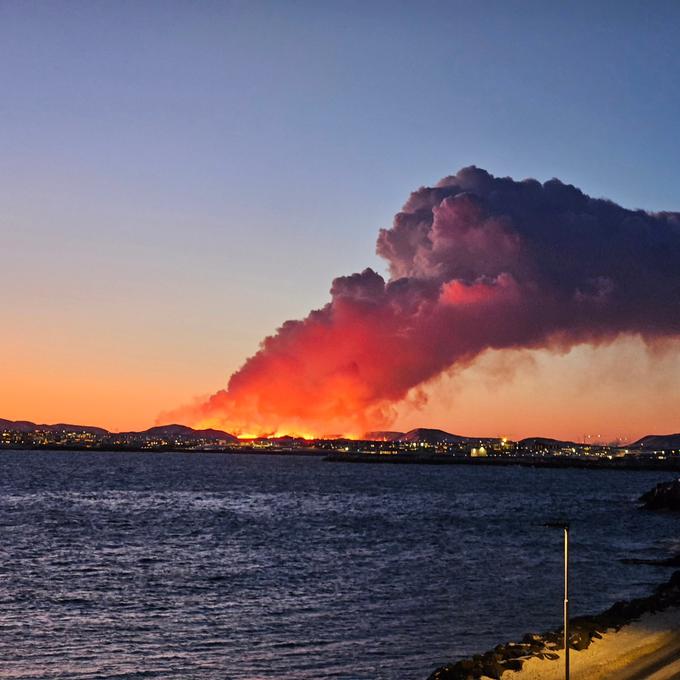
476	262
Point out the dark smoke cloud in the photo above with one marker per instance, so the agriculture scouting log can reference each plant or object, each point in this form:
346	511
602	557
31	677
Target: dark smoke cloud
476	262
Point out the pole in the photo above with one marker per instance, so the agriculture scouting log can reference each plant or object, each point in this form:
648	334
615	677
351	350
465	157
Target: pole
565	527
566	601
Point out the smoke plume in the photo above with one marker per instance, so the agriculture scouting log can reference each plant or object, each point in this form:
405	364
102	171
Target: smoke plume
476	262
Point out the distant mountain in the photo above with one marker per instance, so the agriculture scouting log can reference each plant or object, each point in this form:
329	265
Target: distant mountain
28	426
429	436
285	440
659	442
184	431
17	425
382	436
424	435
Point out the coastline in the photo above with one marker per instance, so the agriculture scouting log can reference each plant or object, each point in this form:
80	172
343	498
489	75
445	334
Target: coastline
632	640
549	462
647	649
669	465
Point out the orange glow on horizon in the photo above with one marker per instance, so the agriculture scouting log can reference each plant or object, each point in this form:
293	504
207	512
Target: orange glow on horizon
622	389
292	431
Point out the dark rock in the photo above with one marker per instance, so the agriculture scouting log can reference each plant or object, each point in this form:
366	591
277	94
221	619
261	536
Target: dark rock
554	637
664	496
443	673
579	641
516	651
513	665
493	668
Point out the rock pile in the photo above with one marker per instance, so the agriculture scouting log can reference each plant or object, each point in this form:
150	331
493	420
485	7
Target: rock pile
664	496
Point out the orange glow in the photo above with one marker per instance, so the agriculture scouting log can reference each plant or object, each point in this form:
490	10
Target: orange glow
618	390
467	283
308	435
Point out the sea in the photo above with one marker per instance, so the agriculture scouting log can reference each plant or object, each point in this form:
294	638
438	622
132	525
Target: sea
236	566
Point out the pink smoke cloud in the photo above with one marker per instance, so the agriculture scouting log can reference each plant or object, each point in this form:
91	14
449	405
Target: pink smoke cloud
476	263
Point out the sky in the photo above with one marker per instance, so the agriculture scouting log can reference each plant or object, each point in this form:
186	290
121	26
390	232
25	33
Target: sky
177	179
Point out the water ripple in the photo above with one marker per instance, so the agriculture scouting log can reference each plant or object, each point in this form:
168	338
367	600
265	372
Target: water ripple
253	567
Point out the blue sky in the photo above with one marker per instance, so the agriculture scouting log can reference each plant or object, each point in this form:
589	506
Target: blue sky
178	178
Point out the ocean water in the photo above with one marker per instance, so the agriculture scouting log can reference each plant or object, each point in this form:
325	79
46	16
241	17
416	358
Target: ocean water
212	566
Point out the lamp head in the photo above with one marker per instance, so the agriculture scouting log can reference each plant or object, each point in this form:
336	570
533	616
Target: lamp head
557	525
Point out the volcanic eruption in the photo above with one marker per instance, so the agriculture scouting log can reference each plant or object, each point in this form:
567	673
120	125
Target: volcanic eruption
476	262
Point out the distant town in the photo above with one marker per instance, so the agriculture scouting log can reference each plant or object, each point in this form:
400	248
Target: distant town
419	445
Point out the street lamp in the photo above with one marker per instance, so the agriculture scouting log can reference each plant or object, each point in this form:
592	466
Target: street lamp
565	527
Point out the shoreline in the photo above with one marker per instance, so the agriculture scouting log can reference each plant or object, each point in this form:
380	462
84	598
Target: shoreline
637	639
670	465
646	649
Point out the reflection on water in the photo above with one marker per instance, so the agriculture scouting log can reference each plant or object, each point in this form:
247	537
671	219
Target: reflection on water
133	565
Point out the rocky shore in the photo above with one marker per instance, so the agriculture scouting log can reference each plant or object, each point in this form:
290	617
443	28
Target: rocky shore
664	496
511	657
583	631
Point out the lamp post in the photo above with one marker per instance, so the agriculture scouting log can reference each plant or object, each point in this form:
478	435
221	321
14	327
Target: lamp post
564	526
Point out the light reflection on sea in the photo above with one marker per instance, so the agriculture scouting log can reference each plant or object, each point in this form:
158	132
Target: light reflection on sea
141	565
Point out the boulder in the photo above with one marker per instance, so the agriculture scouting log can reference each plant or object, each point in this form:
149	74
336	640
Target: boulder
664	496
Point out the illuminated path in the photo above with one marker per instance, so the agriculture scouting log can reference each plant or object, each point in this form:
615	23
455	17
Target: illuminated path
647	649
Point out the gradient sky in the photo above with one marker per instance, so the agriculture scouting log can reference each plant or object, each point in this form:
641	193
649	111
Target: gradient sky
179	178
